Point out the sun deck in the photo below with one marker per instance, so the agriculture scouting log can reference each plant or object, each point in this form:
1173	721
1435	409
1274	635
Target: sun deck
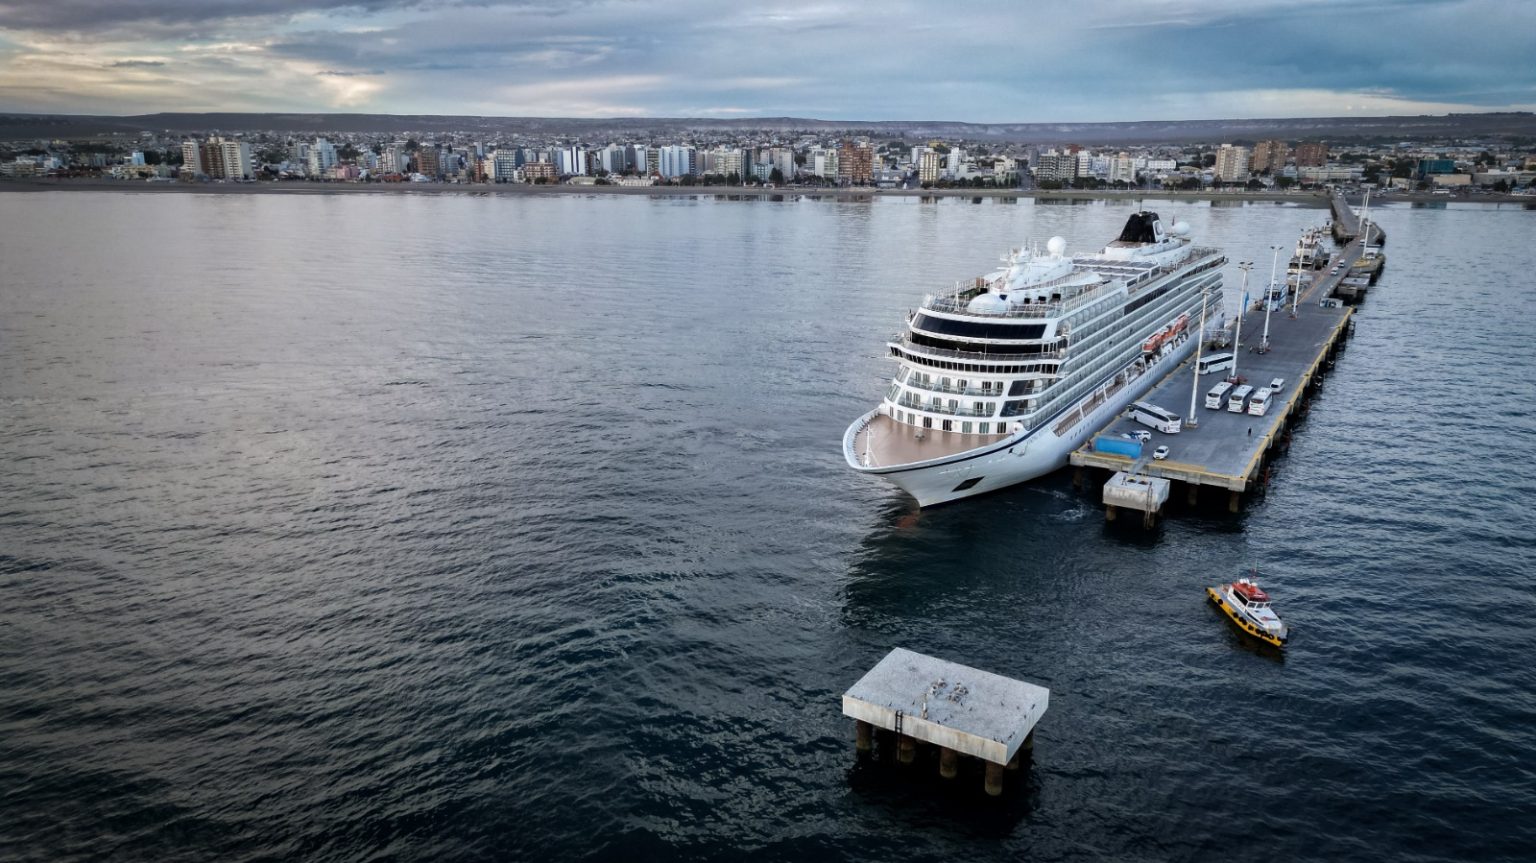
883	442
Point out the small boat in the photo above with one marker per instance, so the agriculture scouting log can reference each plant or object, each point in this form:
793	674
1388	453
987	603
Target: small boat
1248	606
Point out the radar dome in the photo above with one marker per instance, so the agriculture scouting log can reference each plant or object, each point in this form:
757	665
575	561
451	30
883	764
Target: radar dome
987	304
1056	245
1181	228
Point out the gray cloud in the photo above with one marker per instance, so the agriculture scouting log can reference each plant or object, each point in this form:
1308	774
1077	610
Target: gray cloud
135	64
1092	59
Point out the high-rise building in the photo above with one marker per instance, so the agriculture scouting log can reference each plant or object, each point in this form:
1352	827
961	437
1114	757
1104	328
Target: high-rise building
502	165
783	158
429	162
571	160
211	155
192	157
395	159
1122	168
823	163
234	159
1232	164
928	163
1055	167
322	157
1311	154
676	161
1269	157
855	163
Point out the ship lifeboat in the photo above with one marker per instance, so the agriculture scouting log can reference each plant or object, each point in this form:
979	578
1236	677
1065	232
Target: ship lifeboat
1154	342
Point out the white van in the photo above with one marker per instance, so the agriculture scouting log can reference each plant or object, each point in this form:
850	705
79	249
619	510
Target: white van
1239	398
1259	404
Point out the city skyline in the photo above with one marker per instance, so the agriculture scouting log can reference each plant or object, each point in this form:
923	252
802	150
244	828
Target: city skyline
1091	61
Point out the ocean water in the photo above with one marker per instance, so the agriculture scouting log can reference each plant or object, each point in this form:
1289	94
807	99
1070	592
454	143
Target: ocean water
447	527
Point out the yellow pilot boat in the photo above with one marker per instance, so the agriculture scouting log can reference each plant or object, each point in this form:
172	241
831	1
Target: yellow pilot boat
1248	607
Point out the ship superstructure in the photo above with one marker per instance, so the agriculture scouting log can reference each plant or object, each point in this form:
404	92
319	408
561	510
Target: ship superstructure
1000	378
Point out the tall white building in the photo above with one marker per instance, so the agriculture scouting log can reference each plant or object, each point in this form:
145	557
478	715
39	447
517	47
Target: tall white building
1122	168
322	157
675	161
824	163
1232	164
571	160
191	157
236	159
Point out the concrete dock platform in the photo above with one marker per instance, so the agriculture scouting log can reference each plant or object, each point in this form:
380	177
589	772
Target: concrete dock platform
962	710
1227	450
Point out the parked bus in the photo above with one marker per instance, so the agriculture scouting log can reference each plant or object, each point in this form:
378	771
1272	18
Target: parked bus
1214	363
1156	418
1216	399
1236	401
1260	402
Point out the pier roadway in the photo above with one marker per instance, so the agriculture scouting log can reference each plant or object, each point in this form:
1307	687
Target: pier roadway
1346	222
1228	450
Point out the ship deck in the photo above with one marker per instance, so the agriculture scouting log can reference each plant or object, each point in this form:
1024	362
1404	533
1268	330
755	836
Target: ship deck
883	442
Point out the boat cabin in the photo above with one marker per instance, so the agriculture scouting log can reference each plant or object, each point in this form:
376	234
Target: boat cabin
1250	594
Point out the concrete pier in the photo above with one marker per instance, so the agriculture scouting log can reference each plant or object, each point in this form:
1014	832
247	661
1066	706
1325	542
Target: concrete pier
962	710
1143	494
1228	450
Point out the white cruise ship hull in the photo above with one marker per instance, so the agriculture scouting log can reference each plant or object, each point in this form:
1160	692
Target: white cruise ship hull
1020	458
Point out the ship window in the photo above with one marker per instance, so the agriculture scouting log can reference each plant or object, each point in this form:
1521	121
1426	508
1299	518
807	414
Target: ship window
986	428
927	422
949	425
1015	408
970	483
965	428
978	329
1018	387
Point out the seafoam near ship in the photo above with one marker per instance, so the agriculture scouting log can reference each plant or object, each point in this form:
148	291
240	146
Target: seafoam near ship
1002	377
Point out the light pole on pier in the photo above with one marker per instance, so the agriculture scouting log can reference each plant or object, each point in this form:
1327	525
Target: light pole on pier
1194	386
1269	296
1237	339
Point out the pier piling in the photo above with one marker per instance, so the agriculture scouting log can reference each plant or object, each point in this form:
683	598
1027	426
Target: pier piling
961	710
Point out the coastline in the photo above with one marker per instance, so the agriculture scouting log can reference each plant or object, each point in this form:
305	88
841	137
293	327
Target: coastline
1317	199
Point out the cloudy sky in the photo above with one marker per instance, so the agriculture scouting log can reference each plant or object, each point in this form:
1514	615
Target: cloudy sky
1024	61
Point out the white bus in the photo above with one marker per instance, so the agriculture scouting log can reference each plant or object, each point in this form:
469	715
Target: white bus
1156	418
1216	399
1260	402
1235	402
1214	363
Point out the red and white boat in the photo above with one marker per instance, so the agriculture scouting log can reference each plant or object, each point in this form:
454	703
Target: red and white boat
1247	605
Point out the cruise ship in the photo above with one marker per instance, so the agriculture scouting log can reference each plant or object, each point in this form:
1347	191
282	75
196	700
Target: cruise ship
1000	378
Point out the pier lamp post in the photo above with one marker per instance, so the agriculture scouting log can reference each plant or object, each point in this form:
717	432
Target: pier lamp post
1237	340
1269	294
1194	385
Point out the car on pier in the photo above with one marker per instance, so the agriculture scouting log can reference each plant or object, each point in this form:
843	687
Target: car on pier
1161	452
1138	435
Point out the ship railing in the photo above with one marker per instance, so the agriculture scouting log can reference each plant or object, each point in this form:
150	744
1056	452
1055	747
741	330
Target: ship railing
850	437
929	407
903	343
954	390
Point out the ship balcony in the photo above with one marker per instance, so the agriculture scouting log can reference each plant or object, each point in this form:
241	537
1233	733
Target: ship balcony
976	411
903	343
954	390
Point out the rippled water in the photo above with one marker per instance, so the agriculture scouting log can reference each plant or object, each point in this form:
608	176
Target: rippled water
440	527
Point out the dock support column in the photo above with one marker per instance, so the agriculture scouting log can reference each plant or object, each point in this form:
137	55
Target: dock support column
866	736
906	749
994	781
949	762
1234	501
1077	477
1109	513
1194	493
